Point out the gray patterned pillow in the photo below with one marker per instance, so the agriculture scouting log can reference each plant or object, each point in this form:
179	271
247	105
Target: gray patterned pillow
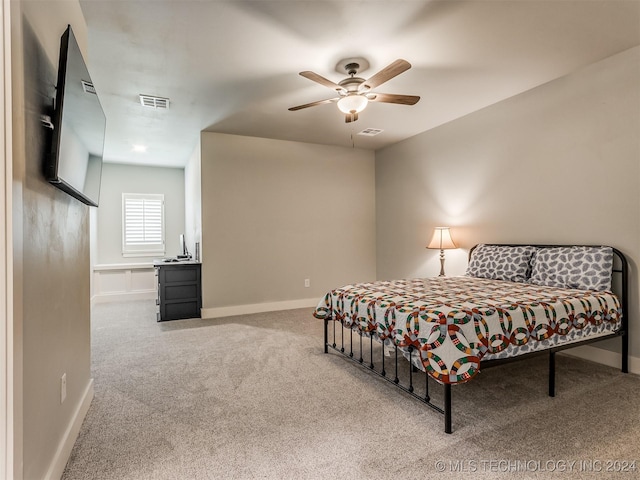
584	268
501	262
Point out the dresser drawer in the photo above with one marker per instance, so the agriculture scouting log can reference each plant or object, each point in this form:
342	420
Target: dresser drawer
179	291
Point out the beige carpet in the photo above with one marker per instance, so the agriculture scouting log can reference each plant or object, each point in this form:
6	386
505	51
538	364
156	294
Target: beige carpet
255	397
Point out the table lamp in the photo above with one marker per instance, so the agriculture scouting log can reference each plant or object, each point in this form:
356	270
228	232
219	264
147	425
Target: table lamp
441	240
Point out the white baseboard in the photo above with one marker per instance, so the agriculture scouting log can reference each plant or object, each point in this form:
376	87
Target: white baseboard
123	296
258	308
63	451
605	357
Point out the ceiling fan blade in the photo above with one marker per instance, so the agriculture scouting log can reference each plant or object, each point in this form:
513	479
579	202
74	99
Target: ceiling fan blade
393	98
386	74
313	104
322	81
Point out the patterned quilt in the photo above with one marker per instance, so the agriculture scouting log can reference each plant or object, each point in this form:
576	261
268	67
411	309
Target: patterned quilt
455	322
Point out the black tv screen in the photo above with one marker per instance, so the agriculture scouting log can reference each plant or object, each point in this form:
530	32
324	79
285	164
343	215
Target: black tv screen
75	161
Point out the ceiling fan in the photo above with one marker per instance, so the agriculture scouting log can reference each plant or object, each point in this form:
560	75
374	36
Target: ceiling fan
354	93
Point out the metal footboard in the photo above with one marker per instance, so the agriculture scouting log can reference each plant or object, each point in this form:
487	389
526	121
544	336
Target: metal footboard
403	374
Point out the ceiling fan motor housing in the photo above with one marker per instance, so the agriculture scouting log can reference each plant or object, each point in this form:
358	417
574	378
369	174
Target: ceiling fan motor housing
351	84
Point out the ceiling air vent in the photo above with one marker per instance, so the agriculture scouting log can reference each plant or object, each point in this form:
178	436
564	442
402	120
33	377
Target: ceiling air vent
370	132
88	87
153	102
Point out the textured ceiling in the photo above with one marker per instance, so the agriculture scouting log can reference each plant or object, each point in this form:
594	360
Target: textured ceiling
232	66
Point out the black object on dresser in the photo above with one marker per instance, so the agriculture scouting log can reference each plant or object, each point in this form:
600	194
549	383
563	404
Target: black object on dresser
179	289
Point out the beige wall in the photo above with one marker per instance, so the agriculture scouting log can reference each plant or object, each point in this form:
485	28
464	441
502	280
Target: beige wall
51	255
276	212
557	164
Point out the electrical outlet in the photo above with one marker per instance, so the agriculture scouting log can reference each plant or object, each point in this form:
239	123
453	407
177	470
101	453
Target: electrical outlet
307	282
63	387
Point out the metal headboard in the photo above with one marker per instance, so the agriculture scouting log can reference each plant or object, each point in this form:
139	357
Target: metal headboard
620	267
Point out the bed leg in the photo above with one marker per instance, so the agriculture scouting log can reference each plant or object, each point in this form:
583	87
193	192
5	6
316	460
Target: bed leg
552	374
625	352
326	336
447	408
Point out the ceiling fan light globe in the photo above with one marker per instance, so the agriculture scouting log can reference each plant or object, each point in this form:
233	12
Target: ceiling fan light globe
352	103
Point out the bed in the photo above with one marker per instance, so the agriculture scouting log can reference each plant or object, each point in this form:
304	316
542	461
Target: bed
514	301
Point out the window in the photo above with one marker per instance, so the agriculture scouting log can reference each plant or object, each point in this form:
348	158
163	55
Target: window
142	224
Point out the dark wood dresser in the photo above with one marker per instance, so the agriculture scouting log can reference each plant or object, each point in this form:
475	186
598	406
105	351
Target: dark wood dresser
179	289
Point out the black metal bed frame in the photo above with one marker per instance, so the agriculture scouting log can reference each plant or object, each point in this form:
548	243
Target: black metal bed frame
622	332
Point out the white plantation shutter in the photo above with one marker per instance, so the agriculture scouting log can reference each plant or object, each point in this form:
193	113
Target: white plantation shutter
142	224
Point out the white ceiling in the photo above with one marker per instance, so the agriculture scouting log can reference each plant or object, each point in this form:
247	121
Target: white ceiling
232	66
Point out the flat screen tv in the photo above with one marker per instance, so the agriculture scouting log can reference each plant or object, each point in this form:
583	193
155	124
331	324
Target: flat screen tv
75	160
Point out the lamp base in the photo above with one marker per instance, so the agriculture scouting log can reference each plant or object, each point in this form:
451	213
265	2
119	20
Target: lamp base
442	264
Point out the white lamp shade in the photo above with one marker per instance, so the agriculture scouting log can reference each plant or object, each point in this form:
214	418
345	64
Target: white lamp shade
352	103
441	239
